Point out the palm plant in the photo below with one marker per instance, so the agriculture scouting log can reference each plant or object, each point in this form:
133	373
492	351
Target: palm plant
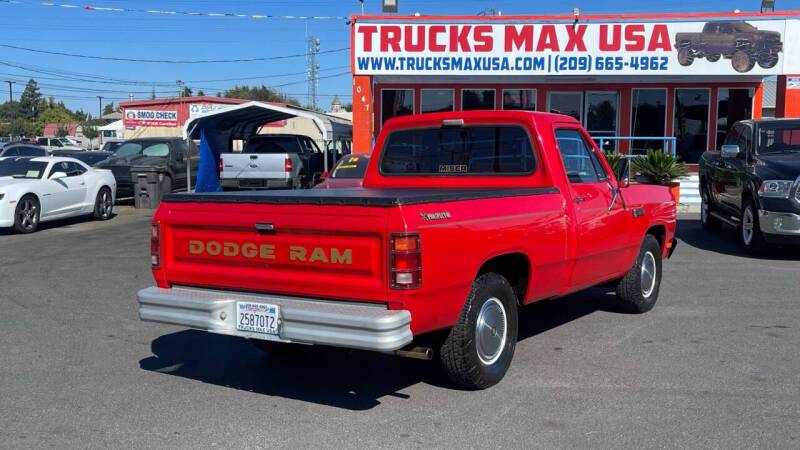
659	167
613	159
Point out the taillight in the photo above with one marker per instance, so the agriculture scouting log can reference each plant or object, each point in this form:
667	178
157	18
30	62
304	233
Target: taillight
288	165
405	269
219	166
155	245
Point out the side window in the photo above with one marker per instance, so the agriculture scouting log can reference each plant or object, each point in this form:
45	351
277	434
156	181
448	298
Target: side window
733	136
75	169
14	151
59	167
312	146
580	162
31	151
42	141
745	141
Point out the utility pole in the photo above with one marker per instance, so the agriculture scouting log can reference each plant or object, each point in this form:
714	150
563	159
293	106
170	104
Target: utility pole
313	70
362	7
10	91
180	88
130	97
100	100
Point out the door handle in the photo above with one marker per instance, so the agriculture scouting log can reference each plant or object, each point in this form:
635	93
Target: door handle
580	199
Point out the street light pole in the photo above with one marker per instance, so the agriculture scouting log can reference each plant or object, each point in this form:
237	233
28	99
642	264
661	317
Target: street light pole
100	99
10	91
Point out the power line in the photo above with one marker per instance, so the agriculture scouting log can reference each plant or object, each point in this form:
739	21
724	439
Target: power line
165	61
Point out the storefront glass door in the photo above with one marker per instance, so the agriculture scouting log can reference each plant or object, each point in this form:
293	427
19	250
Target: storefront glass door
601	115
691	123
567	103
733	105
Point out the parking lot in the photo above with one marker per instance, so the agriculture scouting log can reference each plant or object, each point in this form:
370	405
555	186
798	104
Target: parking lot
714	365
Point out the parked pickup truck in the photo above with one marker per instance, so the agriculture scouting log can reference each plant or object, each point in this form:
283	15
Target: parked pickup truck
742	43
753	183
462	218
271	161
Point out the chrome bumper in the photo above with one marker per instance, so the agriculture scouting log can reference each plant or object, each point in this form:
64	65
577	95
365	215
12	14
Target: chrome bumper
782	223
340	324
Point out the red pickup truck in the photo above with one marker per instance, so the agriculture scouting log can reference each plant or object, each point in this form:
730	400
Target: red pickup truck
462	218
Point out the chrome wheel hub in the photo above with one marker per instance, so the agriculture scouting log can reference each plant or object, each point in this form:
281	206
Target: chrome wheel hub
28	214
747	225
491	331
648	274
106	205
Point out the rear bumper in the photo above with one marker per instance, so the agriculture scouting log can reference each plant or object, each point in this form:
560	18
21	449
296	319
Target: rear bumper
256	183
339	324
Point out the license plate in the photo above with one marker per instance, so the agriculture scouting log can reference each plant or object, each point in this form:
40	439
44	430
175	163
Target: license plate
257	317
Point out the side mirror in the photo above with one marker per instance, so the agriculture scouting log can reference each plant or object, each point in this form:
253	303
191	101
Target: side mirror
729	151
623	173
58	175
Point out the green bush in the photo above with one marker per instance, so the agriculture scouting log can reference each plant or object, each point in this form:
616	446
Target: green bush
613	159
658	167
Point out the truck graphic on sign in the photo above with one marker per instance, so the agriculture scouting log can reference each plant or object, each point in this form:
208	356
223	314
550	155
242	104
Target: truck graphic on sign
742	43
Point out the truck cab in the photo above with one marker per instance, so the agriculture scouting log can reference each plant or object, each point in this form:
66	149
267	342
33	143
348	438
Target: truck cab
753	183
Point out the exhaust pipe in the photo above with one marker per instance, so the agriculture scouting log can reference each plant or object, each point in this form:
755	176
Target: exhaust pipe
423	353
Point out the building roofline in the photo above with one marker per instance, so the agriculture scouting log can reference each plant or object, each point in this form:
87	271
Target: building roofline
179	100
752	15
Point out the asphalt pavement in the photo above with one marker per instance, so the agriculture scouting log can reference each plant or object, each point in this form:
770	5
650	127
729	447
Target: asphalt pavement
716	364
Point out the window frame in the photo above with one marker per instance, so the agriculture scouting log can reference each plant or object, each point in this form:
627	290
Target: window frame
383	109
535	98
632	116
602	175
422	92
494	103
531	140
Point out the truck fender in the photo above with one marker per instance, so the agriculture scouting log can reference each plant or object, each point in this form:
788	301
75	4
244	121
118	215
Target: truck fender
515	265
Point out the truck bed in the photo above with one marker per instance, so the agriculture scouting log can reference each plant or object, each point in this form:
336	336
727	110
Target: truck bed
355	197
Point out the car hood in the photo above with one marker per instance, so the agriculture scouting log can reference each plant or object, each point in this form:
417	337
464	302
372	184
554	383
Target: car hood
784	166
135	160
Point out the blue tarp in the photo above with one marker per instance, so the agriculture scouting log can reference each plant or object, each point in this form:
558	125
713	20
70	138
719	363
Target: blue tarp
207	178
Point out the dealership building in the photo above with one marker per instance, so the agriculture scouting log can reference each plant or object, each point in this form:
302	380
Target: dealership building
674	81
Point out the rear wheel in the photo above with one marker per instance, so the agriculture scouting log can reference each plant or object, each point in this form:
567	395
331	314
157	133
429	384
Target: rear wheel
637	291
752	238
478	350
104	204
768	61
709	222
26	215
742	62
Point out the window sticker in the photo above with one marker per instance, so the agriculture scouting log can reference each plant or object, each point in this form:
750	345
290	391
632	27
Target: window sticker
32	174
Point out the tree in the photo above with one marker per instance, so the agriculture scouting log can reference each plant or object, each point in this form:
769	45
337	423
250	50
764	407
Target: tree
348	107
90	131
200	93
186	92
153	94
259	93
62	131
109	108
22	127
31	102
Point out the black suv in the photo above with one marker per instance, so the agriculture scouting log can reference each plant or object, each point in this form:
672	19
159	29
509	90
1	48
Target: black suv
169	154
753	183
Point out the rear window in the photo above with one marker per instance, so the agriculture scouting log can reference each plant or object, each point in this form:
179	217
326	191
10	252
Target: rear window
459	151
275	144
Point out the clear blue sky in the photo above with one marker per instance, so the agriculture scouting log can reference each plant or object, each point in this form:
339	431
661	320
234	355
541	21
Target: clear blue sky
150	36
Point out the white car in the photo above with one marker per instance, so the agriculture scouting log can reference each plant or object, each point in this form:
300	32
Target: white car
34	190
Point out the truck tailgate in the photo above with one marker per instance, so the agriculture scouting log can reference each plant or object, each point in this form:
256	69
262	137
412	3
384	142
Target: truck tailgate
254	165
334	251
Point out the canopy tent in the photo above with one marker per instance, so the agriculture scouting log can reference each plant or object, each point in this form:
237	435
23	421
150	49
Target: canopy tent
220	128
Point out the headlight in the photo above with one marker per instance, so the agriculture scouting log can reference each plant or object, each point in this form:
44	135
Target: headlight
775	188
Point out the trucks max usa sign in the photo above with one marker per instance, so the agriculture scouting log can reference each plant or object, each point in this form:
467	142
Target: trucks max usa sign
150	118
673	48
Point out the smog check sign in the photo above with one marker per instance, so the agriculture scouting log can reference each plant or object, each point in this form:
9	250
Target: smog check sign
589	48
150	118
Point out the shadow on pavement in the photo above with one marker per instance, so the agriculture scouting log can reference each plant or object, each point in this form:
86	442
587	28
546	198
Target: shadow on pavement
726	242
60	223
341	378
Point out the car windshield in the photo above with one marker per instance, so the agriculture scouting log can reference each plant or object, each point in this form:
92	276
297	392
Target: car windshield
22	168
111	146
779	138
273	144
351	166
143	148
